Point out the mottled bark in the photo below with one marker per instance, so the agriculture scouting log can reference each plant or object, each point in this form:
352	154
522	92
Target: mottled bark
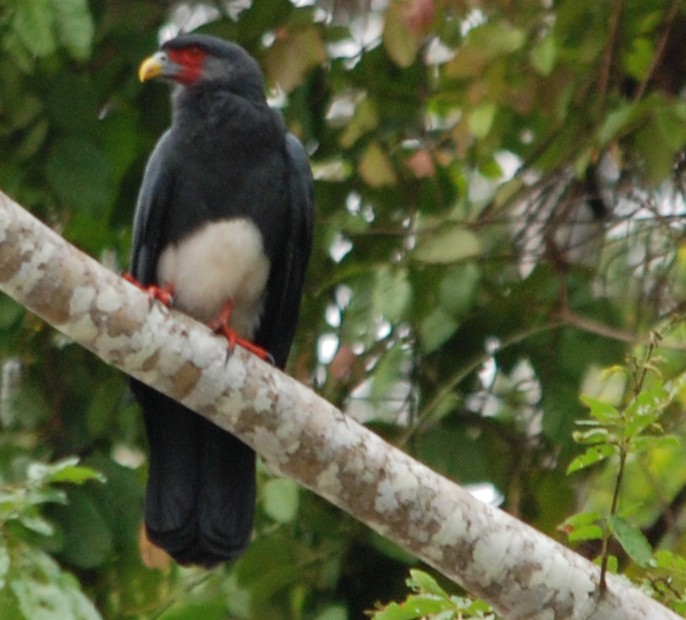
521	572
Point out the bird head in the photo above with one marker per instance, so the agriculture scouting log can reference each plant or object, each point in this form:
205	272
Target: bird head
196	59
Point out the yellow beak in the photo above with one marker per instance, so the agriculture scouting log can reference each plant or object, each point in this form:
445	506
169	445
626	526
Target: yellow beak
152	67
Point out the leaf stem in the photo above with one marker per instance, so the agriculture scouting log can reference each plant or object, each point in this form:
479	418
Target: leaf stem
623	452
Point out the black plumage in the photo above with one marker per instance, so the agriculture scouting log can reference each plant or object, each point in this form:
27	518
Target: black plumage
227	193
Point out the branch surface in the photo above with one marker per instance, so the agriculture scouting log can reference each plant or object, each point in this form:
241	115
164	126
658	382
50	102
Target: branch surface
521	572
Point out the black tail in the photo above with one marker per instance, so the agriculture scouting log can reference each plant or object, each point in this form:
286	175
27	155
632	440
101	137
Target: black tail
200	498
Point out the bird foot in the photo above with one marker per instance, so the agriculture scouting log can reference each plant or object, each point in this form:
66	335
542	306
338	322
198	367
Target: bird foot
222	325
164	294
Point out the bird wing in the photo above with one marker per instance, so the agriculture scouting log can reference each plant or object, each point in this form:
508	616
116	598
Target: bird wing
284	288
151	211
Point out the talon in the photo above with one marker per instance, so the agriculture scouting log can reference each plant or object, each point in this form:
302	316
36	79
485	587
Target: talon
222	325
164	294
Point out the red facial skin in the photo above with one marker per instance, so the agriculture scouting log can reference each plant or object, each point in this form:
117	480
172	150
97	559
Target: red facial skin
190	61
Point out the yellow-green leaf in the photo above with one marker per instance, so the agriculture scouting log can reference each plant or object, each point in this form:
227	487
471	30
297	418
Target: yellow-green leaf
293	54
364	120
451	244
593	455
481	119
400	44
544	54
281	500
376	168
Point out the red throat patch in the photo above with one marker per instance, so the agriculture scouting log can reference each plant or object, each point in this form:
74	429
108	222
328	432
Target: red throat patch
191	60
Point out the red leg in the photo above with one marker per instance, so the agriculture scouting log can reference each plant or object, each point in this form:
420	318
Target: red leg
222	325
165	294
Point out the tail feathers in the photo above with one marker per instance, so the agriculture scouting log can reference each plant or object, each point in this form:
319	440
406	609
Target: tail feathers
200	497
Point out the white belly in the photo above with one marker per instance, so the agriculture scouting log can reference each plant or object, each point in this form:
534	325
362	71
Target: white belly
221	261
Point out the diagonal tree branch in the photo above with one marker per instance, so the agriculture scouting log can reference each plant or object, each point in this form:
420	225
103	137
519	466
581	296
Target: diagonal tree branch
521	572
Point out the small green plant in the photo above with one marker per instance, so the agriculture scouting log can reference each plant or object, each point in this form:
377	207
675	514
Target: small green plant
32	584
428	601
622	432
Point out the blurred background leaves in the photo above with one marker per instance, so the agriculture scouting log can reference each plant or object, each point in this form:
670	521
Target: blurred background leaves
500	200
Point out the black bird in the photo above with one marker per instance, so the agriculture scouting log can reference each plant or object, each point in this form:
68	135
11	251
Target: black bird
224	222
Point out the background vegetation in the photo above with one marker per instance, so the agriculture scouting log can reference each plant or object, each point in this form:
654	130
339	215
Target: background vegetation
500	194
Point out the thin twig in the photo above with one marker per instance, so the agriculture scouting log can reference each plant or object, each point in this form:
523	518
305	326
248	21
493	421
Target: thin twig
608	56
660	51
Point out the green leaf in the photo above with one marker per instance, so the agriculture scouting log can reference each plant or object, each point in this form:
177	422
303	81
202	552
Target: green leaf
365	120
655	142
124	489
258	572
400	45
601	411
36	523
425	583
582	518
415	607
632	540
104	407
67	470
334	612
392	293
436	329
647	443
293	54
670	122
33	24
612	563
586	532
484	44
638	60
593	455
584	526
87	536
617	122
33	140
458	288
281	499
387	373
481	119
451	244
544	54
4	563
592	436
211	610
673	562
376	168
644	410
76	474
75	27
45	592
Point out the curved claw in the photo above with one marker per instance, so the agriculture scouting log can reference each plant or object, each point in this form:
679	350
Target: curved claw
164	294
222	325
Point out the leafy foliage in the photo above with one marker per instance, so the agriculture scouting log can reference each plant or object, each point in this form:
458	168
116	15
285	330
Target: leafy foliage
500	195
626	432
432	602
33	585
